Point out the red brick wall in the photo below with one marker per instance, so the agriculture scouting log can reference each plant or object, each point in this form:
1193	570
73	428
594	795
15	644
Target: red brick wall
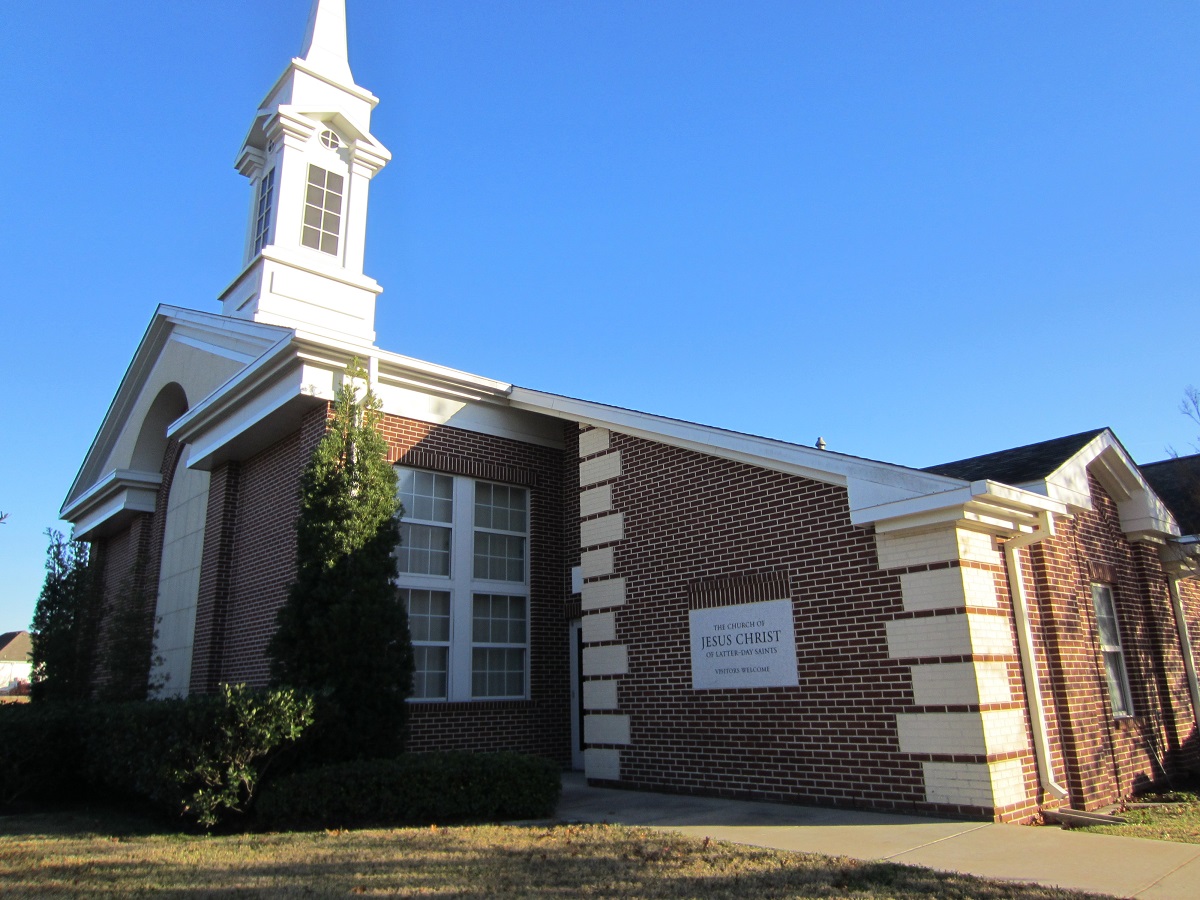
117	558
833	739
257	544
540	724
1104	758
249	561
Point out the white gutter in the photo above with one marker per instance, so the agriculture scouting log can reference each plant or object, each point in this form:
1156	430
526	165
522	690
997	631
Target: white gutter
1033	690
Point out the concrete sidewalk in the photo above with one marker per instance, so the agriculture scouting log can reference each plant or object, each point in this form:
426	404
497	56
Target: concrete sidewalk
1101	864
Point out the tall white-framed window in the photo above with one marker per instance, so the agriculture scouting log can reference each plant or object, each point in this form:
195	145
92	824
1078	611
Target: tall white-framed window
1110	646
322	210
262	221
463	565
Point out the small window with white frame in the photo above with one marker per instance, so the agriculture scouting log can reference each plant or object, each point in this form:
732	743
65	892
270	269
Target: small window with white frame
262	221
1111	649
463	574
323	210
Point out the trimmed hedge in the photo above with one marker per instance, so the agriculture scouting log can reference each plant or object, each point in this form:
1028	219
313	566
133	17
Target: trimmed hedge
198	757
41	752
414	789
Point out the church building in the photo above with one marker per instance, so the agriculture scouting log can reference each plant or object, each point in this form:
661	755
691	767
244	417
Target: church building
664	605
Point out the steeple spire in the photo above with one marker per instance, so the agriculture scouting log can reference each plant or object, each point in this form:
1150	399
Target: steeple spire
310	157
325	41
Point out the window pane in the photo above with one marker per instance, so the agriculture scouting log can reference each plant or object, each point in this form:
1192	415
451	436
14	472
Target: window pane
315	196
497	672
429	678
1114	668
312	217
333	182
500	507
312	238
499	557
426	495
498	619
428	614
423	550
1106	616
329	243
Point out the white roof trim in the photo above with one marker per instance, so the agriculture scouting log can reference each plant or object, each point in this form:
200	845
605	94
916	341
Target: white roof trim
1143	514
870	482
120	491
162	328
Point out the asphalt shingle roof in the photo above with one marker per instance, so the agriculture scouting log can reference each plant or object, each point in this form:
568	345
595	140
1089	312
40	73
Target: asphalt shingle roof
1019	465
1177	483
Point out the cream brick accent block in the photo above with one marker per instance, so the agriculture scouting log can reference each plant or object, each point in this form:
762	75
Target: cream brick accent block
966	784
606	729
938	589
600	594
936	636
599	468
958	783
600	695
941	733
594	441
979	586
975	784
604	764
945	684
1004	731
991	634
599	627
596	564
978	547
916	548
595	500
604	530
957	684
612	659
993	681
948	589
1008	782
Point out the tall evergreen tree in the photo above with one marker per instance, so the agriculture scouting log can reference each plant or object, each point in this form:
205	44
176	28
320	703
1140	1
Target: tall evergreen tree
343	632
61	630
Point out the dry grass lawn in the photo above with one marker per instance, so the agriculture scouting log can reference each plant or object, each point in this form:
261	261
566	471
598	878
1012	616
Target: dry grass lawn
1166	817
74	854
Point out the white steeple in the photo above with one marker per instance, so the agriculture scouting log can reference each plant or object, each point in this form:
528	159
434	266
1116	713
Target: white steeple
310	157
325	42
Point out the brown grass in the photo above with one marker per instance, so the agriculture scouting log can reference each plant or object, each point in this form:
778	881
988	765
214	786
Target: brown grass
69	854
1163	817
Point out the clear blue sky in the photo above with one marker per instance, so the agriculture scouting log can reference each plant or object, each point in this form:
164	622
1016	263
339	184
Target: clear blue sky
921	230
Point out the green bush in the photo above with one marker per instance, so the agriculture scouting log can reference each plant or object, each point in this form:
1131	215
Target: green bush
201	757
41	750
414	789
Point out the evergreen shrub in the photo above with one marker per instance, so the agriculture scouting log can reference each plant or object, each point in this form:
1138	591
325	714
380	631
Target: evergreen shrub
201	757
413	789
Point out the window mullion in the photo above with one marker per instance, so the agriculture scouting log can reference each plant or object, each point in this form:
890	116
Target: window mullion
460	579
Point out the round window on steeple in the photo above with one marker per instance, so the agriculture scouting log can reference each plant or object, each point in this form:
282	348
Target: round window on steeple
330	140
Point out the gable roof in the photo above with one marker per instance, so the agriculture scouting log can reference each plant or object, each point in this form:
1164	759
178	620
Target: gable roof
1060	469
1020	464
1177	483
15	646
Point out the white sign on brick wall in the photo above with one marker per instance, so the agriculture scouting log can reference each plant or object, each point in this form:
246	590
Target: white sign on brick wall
744	645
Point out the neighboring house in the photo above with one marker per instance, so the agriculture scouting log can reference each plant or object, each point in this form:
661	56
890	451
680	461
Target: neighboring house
15	666
664	604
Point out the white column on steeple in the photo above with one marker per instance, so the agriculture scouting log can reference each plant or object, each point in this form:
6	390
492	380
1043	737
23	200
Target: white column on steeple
325	41
311	145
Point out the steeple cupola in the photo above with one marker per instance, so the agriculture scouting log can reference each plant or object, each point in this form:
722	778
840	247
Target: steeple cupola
310	157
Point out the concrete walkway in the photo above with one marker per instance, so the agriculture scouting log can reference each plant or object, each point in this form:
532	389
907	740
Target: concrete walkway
1101	864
